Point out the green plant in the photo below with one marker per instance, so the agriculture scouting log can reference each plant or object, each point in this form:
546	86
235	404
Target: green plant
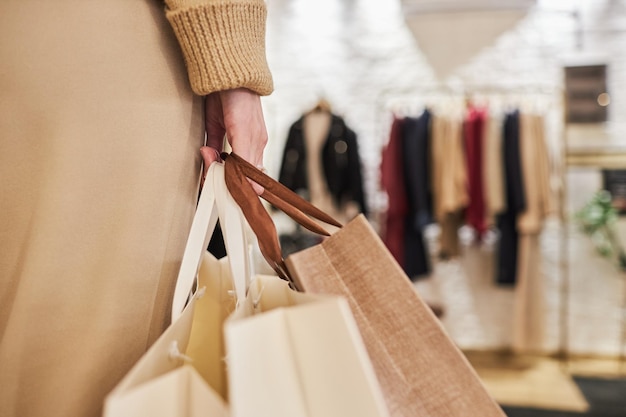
598	220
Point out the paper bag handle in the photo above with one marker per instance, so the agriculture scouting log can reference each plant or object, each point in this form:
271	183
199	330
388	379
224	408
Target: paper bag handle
215	203
281	196
237	170
202	226
233	225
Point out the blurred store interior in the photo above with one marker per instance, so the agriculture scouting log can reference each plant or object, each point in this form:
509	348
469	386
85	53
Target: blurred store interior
548	339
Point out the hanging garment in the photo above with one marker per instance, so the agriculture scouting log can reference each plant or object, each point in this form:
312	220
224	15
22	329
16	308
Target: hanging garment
536	175
449	181
506	251
340	164
415	138
529	305
493	168
416	156
474	131
392	183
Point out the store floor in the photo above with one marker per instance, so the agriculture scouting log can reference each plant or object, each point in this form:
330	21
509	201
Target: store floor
582	312
537	385
583	335
544	384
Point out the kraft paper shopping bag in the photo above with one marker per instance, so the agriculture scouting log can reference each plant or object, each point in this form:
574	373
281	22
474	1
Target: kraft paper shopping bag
420	369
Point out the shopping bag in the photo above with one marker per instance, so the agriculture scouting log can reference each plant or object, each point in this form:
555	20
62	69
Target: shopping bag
183	373
292	354
420	369
287	354
169	380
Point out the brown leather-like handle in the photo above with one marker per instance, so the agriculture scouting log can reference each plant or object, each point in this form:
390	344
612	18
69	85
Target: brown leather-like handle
279	190
294	213
236	171
256	215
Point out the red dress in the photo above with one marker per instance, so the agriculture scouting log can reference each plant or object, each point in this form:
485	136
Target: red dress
473	132
392	182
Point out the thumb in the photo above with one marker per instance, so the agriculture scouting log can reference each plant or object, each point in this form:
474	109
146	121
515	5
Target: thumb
209	155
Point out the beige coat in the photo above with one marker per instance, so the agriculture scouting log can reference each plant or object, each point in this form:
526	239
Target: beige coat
493	168
540	201
449	180
99	166
449	172
529	307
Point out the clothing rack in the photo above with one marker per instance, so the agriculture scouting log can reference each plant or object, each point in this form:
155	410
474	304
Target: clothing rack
394	98
400	95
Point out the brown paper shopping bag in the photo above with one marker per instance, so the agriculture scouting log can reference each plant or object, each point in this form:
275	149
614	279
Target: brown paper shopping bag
420	369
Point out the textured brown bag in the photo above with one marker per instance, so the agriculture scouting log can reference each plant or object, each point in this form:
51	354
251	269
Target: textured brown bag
420	369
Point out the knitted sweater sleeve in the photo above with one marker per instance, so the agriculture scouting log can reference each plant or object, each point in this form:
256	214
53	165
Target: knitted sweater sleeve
223	43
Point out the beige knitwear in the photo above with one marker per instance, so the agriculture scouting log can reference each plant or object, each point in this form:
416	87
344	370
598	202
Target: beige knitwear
100	172
223	47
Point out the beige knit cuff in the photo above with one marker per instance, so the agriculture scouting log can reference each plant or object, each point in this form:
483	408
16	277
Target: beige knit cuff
224	45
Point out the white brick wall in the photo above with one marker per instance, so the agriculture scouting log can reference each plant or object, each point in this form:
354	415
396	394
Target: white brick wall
361	53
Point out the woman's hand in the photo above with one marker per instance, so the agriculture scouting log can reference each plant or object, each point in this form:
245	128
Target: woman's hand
238	115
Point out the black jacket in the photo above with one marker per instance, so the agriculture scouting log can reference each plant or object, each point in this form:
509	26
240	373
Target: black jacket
416	152
506	251
340	161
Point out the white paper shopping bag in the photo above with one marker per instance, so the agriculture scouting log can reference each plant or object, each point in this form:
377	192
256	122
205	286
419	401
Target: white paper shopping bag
183	372
293	354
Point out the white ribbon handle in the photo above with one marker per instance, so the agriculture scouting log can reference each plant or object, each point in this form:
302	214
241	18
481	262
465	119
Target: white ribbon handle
233	225
215	203
202	227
